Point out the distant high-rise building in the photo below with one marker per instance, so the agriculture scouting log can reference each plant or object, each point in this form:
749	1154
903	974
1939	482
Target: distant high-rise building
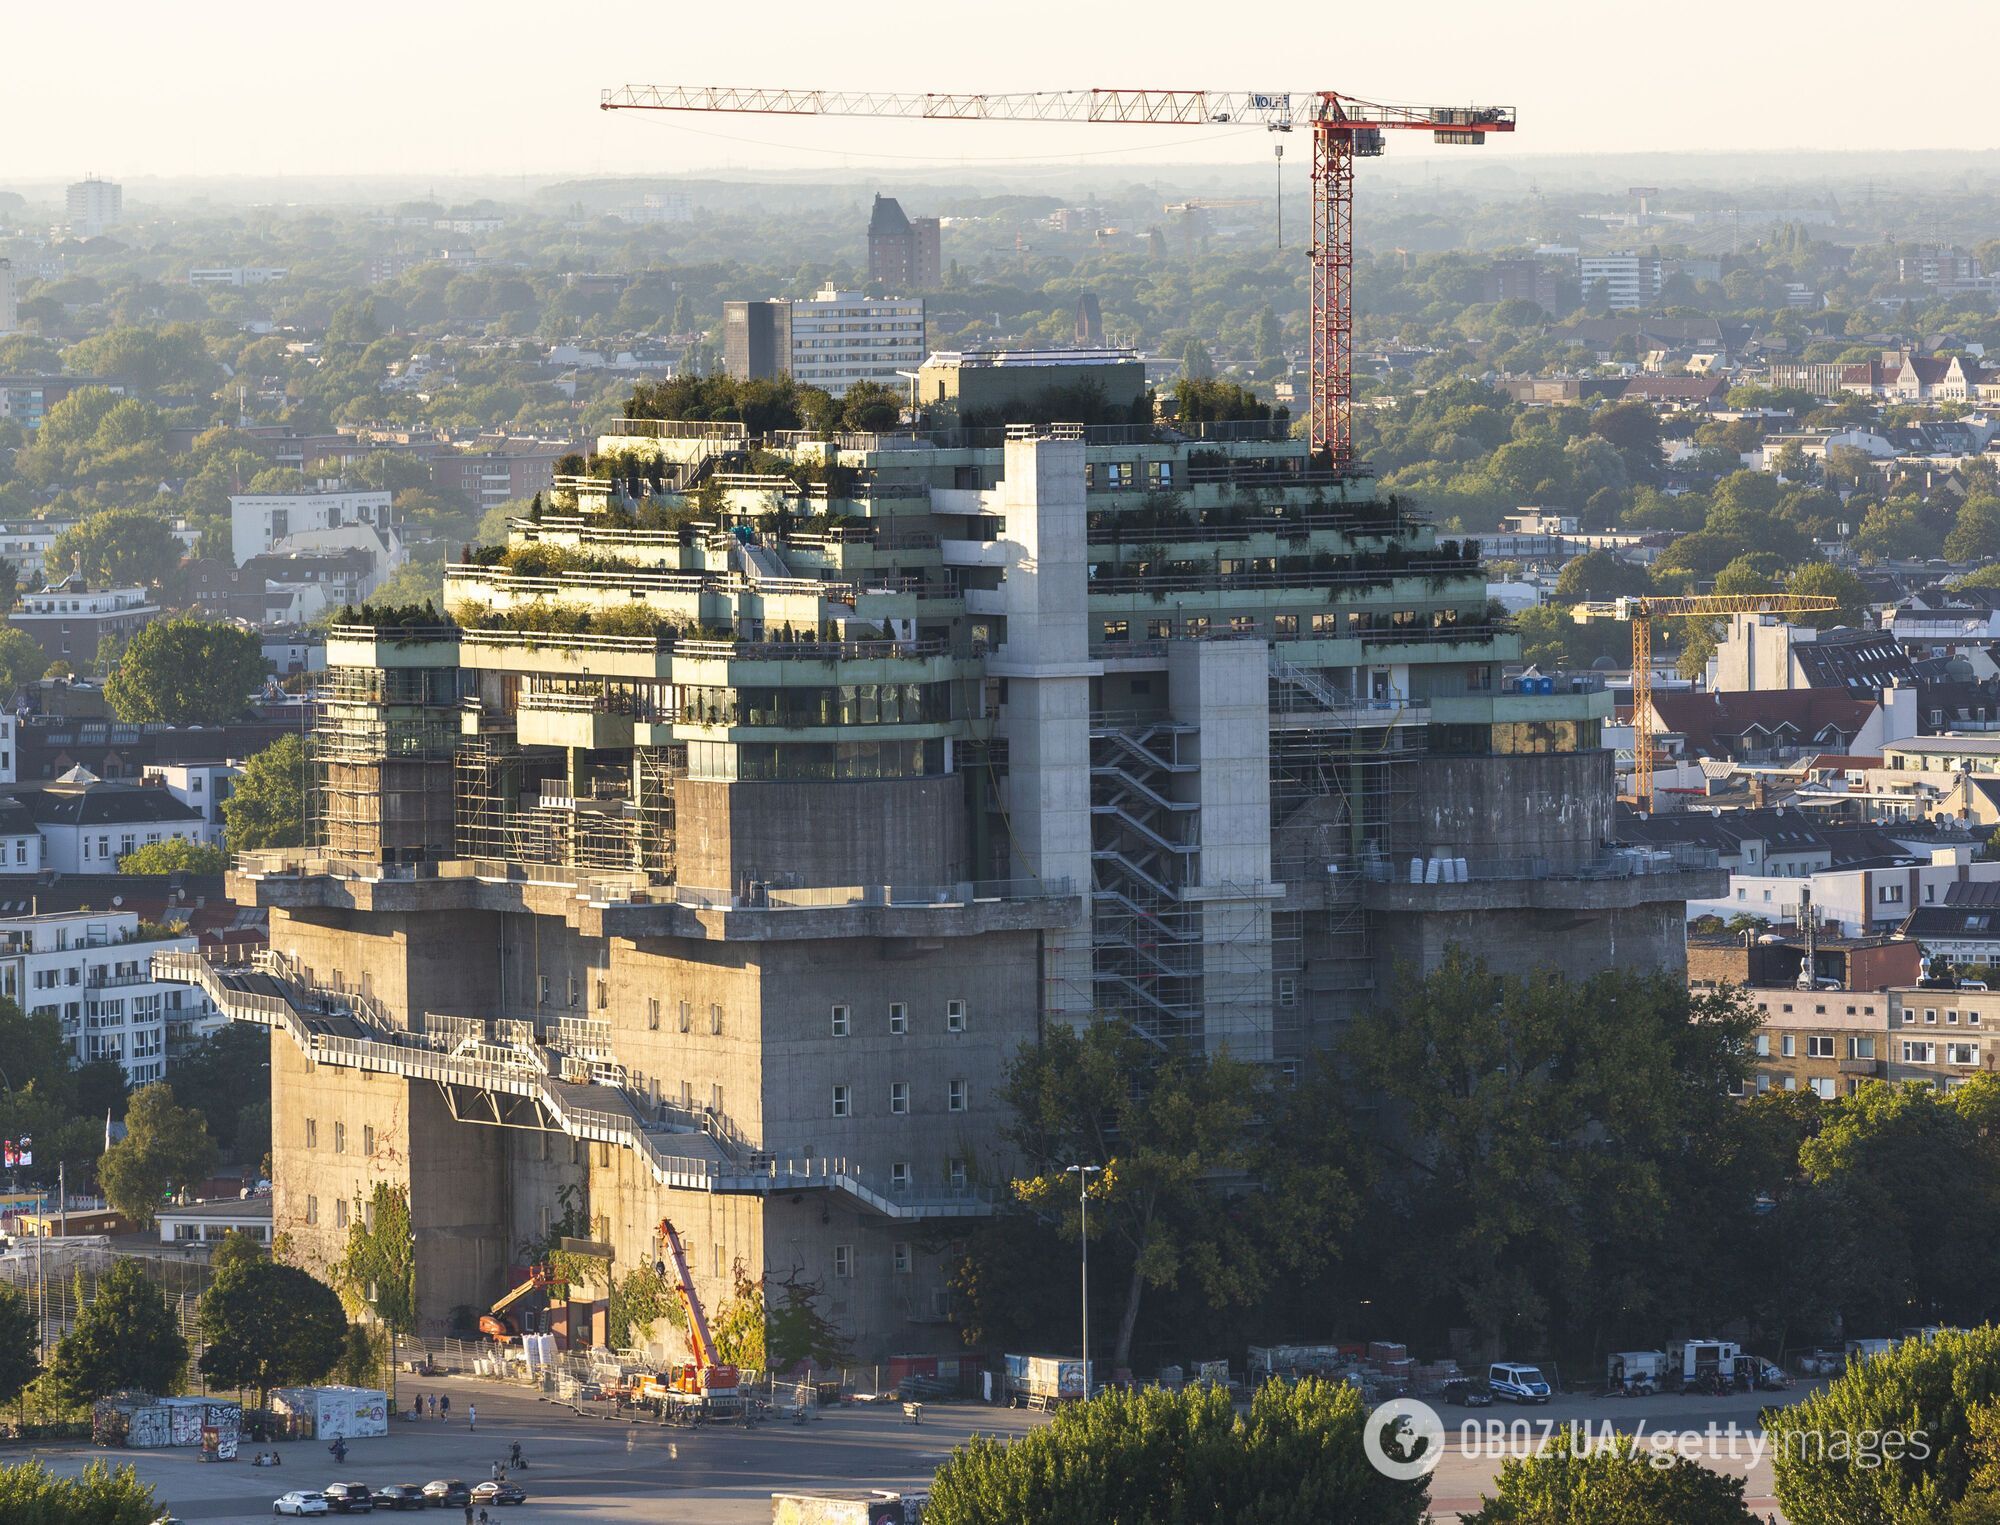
1089	319
830	341
904	254
94	205
10	317
1627	281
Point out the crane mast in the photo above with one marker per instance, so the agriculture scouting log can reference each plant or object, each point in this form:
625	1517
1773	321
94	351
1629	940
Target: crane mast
1640	614
1343	128
698	1335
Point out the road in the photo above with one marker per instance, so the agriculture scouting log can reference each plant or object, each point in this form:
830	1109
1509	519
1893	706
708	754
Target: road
605	1470
581	1469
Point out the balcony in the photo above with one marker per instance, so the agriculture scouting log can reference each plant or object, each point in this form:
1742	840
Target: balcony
588	721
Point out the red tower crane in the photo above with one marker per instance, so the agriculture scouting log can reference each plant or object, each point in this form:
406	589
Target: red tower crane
1343	127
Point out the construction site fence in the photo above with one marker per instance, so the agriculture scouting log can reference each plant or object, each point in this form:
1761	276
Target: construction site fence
574	1373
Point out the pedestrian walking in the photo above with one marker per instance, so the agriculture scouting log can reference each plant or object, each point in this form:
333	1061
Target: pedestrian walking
444	1405
434	1405
472	1418
468	1514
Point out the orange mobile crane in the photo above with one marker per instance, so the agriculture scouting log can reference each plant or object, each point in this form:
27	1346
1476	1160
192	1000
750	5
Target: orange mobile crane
706	1382
1344	128
1640	614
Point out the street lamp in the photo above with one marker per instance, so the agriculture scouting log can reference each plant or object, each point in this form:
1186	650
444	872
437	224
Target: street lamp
1083	1173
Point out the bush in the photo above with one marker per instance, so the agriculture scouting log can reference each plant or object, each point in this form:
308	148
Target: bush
1295	1459
1830	1464
1572	1484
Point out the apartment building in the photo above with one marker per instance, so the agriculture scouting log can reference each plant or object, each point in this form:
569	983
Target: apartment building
261	524
830	341
735	905
499	468
10	315
93	206
86	823
92	971
70	620
1624	282
905	254
238	276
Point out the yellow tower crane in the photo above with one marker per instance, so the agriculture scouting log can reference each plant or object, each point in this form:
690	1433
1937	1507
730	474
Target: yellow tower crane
1640	614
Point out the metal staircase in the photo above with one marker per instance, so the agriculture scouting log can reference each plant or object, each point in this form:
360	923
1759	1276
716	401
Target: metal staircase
520	1082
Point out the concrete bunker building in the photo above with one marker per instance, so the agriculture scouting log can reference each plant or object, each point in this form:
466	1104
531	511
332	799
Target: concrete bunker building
751	815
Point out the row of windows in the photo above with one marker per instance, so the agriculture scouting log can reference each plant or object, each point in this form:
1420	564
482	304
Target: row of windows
1818	1046
340	1136
686	1017
957	1093
899	1018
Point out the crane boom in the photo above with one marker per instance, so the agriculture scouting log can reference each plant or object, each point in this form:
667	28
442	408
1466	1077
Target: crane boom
1640	613
1343	126
698	1335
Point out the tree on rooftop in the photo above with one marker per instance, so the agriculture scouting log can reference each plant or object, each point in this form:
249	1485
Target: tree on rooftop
186	672
176	855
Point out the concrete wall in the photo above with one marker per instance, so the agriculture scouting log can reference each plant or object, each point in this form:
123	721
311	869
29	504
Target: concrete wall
1644	937
1555	805
891	831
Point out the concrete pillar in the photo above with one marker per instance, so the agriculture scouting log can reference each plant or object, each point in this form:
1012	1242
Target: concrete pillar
1222	688
1044	657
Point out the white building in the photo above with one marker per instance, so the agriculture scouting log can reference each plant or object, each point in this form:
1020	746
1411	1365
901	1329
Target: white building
10	314
92	971
203	786
93	205
26	542
206	1222
1627	281
87	823
314	521
238	276
841	337
1863	901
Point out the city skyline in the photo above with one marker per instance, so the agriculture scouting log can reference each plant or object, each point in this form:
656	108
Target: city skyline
460	93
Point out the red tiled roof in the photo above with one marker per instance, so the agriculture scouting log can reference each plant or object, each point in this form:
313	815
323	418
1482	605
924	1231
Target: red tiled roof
1701	718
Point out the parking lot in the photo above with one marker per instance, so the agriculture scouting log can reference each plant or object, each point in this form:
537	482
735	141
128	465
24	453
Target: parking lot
1470	1464
580	1469
600	1469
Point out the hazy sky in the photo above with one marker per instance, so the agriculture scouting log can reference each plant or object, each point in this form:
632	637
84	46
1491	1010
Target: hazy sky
131	88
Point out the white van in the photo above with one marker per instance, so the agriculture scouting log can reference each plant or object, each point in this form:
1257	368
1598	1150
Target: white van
1517	1383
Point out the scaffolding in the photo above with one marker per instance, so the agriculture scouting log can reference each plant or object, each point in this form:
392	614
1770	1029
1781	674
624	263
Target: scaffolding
517	806
1339	777
380	763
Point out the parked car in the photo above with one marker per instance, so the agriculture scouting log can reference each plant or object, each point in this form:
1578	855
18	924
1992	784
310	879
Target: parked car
451	1494
499	1493
1469	1392
1517	1383
348	1498
299	1503
400	1496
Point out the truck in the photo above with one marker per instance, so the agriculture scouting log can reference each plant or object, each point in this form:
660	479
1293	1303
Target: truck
1703	1366
707	1384
1635	1371
1042	1381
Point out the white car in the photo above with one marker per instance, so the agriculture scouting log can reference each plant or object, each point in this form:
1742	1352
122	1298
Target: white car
299	1503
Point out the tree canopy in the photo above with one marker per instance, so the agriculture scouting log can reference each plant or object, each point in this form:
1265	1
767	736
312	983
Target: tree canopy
1614	1481
119	545
186	671
1295	1458
126	1337
268	1325
32	1494
166	1146
176	855
267	808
